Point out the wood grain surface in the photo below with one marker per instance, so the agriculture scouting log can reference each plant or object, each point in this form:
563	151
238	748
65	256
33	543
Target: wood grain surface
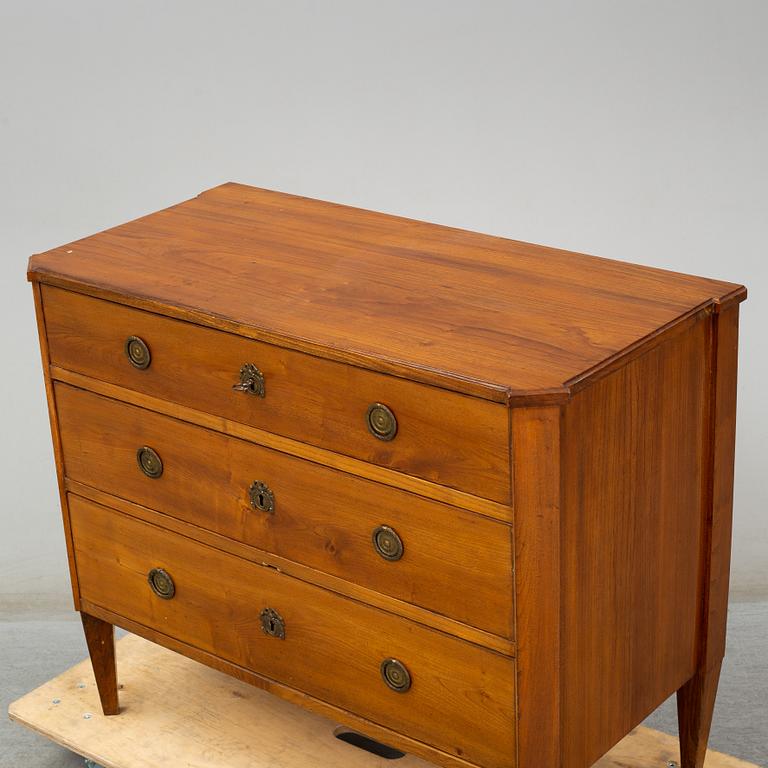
442	436
267	559
633	480
561	476
695	707
53	420
327	458
454	562
536	466
474	313
460	696
220	721
696	699
719	512
100	638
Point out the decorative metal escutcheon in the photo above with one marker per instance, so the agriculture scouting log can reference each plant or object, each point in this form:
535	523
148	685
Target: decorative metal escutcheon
261	497
149	462
137	352
395	675
161	583
387	543
381	422
272	623
251	380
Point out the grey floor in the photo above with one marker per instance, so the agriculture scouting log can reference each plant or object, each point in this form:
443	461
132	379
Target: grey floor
34	647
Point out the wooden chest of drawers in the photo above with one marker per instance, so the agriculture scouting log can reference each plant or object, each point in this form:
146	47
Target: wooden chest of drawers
469	496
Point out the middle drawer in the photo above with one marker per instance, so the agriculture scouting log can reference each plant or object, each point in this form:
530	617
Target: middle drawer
433	555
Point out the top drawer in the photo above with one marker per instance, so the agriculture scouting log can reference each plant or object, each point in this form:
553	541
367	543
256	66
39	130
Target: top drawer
441	436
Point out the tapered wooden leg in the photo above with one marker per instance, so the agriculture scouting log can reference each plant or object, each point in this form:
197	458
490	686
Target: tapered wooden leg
695	704
696	699
100	636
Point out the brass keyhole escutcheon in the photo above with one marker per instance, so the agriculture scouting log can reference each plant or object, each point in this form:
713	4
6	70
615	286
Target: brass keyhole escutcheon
161	583
251	381
387	543
137	352
272	623
149	462
261	497
381	422
395	675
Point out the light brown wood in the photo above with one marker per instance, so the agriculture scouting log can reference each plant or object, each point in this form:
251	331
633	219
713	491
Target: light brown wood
292	447
311	575
722	444
647	748
536	469
56	438
100	637
470	312
362	725
561	477
696	699
220	721
695	706
307	398
454	562
333	647
632	498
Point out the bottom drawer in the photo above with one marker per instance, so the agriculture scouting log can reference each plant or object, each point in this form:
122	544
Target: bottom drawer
459	697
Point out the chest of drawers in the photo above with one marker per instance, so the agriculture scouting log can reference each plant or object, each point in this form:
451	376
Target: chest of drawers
468	496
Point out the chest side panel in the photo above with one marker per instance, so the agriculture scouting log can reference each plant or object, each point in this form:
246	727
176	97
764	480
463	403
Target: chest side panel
633	448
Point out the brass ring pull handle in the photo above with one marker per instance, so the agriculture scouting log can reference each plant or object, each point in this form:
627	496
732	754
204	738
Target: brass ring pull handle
137	352
149	462
381	422
261	497
387	543
272	623
161	583
395	675
251	380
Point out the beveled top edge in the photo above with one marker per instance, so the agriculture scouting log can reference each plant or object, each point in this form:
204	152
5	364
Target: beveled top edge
467	386
49	268
470	387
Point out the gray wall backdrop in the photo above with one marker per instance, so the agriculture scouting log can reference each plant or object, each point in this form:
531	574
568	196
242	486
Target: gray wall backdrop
630	130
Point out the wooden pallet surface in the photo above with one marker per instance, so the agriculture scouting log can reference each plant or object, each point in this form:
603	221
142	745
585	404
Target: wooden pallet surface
177	712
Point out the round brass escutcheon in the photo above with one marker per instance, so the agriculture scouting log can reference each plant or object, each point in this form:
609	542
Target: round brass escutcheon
272	623
395	675
149	462
381	422
261	497
161	583
387	543
137	352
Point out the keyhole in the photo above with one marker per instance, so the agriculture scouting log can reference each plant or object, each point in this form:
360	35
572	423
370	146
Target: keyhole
261	497
272	623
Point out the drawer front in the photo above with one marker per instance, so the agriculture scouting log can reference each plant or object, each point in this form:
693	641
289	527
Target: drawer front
441	436
453	562
461	697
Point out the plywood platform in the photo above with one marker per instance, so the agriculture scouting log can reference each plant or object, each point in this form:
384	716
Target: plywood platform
177	712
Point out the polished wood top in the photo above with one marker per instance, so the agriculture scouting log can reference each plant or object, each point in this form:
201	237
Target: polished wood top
478	314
